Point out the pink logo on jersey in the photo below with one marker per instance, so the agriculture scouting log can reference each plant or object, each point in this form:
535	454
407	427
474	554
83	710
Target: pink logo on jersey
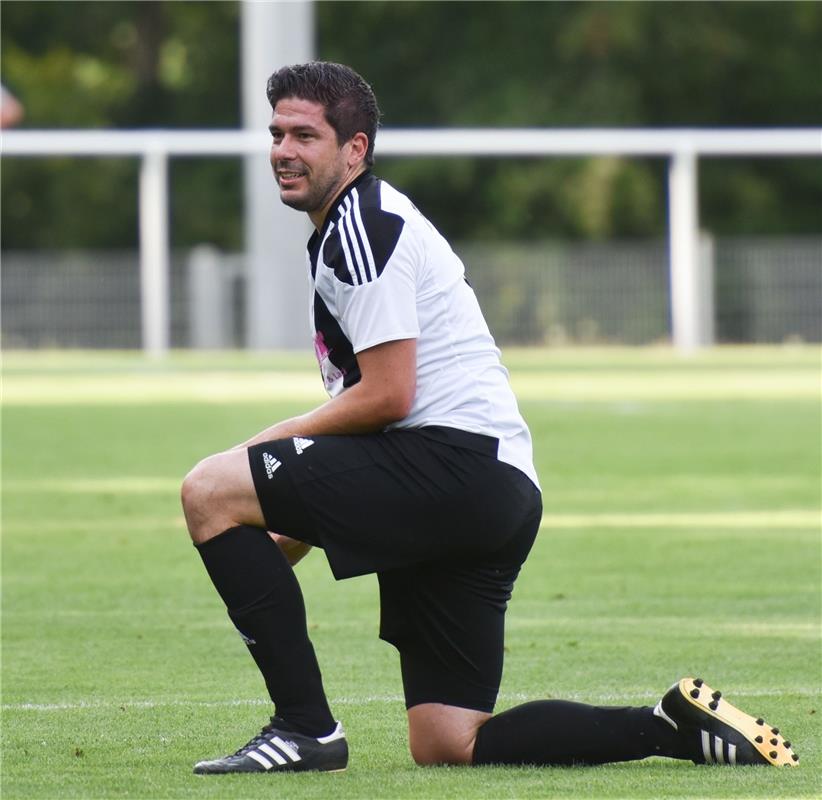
332	374
320	349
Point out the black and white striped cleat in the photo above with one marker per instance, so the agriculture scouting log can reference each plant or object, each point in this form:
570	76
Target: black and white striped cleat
276	750
725	734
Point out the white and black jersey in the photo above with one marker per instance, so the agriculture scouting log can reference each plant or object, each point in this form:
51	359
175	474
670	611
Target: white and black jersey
380	272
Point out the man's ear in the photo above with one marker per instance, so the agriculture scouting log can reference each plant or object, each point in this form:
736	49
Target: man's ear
358	148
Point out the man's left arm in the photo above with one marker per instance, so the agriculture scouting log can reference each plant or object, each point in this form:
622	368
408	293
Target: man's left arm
384	394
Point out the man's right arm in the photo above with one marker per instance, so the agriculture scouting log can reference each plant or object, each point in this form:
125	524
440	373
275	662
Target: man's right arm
384	394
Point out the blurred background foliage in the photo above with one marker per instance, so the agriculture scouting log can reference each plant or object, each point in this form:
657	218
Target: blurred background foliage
557	64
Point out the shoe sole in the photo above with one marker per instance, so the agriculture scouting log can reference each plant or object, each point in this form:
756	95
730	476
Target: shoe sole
266	772
767	741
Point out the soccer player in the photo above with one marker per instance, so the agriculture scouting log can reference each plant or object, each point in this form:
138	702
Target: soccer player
419	469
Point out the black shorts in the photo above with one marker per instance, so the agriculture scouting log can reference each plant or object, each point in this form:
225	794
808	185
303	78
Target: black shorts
444	525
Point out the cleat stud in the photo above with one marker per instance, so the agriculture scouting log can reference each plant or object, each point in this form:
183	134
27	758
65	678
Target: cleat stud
795	757
694	693
760	721
698	683
772	754
712	705
787	743
774	730
774	741
759	740
716	695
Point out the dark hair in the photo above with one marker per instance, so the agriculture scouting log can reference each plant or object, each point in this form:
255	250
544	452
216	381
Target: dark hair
349	102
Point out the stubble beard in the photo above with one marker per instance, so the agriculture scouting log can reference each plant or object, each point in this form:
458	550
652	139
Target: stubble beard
316	196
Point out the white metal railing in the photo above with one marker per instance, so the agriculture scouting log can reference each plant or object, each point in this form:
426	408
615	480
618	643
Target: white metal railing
682	147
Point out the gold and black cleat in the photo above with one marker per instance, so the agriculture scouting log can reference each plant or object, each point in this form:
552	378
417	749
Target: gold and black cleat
725	734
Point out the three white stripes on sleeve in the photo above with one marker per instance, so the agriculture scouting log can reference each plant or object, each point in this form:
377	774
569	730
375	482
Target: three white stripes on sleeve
359	260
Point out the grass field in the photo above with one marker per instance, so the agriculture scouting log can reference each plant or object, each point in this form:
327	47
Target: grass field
681	536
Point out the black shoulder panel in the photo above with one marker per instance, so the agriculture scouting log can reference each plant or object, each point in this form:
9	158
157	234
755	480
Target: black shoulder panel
383	229
362	241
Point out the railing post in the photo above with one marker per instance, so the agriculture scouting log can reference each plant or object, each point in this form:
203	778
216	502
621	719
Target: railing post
276	300
154	258
683	246
707	302
209	304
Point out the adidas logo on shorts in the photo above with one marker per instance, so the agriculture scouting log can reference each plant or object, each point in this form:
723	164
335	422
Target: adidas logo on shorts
271	465
302	444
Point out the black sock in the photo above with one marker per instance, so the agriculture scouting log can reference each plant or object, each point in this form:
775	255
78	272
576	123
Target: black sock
560	732
265	604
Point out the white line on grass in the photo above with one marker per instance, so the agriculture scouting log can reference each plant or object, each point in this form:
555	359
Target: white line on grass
94	704
504	699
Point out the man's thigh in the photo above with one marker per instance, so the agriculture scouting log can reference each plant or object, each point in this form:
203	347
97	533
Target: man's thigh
448	623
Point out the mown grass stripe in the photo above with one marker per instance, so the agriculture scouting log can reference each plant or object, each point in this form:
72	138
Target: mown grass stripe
750	521
781	628
783	518
221	386
134	484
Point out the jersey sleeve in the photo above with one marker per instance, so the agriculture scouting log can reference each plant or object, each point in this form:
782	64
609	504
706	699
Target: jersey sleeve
376	260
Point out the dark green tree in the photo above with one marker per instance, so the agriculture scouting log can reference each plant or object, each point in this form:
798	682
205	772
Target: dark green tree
571	64
120	65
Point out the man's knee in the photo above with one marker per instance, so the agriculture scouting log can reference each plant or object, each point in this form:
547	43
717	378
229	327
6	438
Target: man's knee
441	750
199	495
219	494
441	734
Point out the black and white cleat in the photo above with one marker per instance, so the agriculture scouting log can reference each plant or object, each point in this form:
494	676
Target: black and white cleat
277	750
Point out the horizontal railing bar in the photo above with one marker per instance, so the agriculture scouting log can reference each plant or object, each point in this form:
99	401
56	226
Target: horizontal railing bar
434	142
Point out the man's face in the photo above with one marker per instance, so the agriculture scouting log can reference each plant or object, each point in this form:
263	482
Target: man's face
309	165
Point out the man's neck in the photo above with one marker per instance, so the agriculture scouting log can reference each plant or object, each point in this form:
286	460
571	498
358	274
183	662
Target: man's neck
318	217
